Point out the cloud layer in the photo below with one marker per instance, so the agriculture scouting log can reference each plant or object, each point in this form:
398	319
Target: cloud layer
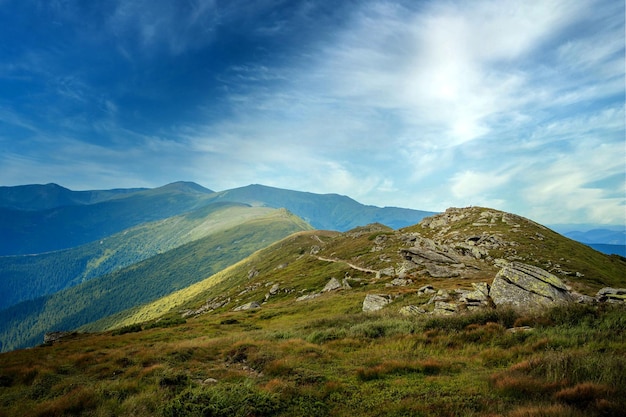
516	105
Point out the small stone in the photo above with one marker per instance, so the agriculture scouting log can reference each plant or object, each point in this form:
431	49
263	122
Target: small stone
375	302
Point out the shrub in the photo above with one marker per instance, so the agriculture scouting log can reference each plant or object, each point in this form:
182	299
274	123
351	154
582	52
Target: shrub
583	395
226	399
132	328
504	317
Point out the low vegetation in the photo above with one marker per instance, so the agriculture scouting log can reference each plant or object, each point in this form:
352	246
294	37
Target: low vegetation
322	358
191	354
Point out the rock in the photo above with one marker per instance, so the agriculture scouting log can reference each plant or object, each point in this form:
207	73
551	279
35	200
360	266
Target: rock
441	295
477	298
445	308
399	282
345	284
374	302
249	306
526	287
53	337
412	310
308	297
274	290
332	285
389	272
426	289
520	329
611	295
252	273
209	381
439	271
583	299
420	255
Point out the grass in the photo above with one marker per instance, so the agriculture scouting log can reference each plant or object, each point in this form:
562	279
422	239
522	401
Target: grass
324	359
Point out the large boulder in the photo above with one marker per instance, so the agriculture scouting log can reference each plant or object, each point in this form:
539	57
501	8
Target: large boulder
527	287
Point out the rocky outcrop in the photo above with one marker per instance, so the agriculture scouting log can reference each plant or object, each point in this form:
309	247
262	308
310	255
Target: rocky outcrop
53	337
375	302
248	306
434	258
477	298
612	295
307	297
332	285
527	287
211	305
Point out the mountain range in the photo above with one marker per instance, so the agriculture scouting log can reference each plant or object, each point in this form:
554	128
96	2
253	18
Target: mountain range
238	309
68	255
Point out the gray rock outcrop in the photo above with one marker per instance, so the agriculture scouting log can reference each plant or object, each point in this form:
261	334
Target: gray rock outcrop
332	285
527	287
612	295
375	302
53	337
248	306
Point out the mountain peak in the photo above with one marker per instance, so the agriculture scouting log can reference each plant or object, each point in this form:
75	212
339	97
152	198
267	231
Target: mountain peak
186	186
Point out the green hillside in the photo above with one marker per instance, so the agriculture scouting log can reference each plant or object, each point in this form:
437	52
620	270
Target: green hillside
192	353
24	324
24	277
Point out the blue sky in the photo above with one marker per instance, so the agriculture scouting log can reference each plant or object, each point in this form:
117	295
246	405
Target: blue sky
515	105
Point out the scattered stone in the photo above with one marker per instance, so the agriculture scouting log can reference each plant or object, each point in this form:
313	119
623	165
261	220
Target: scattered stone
275	289
53	337
583	299
445	308
426	289
345	284
520	329
248	306
374	302
439	271
477	298
441	295
332	285
411	310
399	282
420	255
611	295
308	297
209	381
390	272
252	273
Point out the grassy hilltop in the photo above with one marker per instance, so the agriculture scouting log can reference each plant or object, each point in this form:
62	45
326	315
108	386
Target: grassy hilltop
191	353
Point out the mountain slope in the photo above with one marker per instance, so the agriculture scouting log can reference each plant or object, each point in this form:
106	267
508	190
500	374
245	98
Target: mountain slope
306	351
24	324
323	211
476	236
24	277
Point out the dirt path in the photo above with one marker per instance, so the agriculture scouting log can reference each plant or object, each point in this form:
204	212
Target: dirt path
353	266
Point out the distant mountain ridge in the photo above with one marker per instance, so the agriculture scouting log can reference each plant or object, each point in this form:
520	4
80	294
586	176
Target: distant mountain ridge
323	211
50	217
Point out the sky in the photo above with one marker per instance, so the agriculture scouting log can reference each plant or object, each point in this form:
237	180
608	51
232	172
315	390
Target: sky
513	105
